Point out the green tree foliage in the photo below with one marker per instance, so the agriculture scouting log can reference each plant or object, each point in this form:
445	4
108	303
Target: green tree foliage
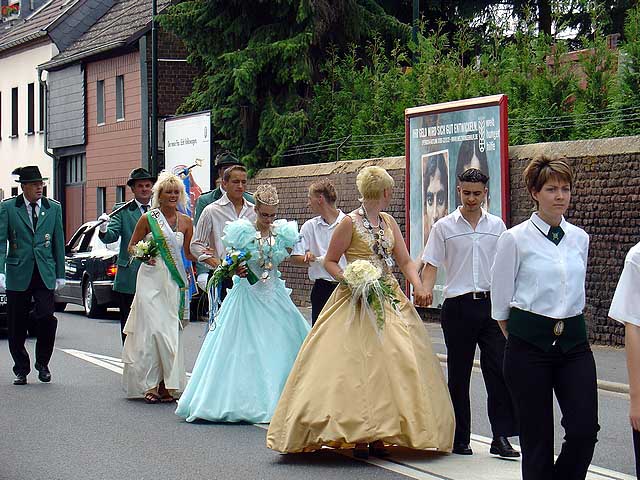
259	58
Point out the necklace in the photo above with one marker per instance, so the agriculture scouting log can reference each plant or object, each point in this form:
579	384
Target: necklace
265	259
382	247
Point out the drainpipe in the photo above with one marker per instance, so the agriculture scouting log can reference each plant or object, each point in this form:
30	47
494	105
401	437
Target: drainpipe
154	89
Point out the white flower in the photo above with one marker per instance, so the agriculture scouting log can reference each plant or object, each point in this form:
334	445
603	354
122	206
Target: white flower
360	273
141	248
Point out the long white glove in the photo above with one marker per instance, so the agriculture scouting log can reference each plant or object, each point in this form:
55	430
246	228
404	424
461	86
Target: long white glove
60	282
105	225
3	281
202	281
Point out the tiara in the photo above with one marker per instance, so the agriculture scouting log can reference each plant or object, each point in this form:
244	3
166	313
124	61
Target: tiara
266	194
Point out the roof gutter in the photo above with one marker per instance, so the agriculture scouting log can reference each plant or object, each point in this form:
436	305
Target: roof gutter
22	40
54	64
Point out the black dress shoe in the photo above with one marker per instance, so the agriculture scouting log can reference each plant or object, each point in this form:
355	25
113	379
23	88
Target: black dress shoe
501	446
44	375
462	449
20	379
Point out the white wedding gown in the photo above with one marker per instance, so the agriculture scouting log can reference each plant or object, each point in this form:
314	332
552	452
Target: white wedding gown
153	349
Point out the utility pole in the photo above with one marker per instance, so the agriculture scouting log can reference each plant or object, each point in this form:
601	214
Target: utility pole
154	89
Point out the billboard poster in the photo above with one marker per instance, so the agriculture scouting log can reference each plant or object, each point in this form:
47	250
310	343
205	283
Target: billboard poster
442	141
187	139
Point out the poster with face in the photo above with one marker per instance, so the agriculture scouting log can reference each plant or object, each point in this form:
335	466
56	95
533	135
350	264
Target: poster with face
442	141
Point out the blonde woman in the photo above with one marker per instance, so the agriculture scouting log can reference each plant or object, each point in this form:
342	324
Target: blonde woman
247	355
353	385
153	354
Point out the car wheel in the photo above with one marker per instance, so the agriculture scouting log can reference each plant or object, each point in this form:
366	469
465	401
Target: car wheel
89	301
60	306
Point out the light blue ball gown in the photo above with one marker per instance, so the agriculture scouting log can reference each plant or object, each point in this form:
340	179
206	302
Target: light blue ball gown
244	362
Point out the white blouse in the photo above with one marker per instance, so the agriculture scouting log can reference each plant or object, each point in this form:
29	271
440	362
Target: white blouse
533	274
625	306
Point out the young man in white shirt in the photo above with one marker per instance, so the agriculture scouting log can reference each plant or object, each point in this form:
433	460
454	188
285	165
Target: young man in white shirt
206	244
464	244
625	308
315	236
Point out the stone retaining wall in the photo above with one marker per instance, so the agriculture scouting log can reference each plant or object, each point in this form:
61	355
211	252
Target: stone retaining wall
605	203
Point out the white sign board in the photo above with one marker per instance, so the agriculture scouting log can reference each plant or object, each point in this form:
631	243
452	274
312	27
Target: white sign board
187	138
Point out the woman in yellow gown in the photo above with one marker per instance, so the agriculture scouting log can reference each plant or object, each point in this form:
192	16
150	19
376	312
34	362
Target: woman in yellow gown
352	385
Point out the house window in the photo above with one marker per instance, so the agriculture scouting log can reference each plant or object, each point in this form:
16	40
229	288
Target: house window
41	117
100	101
30	109
14	191
44	191
14	112
121	194
75	168
0	115
101	200
120	97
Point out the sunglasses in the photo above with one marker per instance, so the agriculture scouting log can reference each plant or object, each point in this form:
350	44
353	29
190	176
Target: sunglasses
267	215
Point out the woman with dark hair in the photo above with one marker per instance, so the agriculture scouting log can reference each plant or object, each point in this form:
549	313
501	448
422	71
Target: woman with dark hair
537	297
435	184
470	156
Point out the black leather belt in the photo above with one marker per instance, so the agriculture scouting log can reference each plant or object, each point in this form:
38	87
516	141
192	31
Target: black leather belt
326	281
475	296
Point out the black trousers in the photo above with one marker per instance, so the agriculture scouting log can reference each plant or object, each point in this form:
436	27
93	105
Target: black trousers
18	312
465	324
320	293
533	376
636	448
124	302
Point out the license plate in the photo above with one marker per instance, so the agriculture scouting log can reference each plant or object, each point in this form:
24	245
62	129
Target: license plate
3	299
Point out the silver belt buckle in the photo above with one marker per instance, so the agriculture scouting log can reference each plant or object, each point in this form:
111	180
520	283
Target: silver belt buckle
479	295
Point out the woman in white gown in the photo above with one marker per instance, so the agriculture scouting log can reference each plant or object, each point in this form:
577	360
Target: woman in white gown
153	352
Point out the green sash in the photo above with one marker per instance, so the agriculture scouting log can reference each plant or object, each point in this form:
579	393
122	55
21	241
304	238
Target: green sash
171	254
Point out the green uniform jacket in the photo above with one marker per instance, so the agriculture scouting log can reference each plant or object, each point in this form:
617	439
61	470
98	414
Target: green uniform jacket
122	226
207	199
44	247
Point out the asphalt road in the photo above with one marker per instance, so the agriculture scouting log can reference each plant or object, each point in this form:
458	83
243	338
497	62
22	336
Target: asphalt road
82	427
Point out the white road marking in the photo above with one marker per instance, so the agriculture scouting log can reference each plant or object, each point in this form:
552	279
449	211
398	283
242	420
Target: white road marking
413	464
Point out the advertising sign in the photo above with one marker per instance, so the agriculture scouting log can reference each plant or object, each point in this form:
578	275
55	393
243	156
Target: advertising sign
187	139
442	141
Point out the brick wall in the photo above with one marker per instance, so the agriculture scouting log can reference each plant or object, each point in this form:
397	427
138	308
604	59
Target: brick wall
605	203
113	149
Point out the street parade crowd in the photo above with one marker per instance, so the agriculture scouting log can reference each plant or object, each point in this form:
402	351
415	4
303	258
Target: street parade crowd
364	375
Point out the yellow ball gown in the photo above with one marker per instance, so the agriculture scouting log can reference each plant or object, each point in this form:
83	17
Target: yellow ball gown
349	384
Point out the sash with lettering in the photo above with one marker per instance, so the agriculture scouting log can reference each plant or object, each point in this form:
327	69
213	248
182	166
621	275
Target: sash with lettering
171	254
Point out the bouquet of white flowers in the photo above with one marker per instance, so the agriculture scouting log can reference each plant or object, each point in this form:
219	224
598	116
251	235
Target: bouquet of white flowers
144	250
370	288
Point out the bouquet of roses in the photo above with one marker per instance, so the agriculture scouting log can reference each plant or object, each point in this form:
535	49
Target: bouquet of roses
369	287
229	266
144	251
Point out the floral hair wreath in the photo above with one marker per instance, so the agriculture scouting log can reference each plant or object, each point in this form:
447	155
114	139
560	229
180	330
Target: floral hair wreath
266	194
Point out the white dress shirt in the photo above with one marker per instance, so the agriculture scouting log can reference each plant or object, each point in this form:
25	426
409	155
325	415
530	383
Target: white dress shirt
533	274
315	236
27	204
625	306
214	218
466	254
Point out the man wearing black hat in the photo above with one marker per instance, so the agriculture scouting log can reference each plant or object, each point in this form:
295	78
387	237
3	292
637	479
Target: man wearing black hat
222	162
34	265
121	226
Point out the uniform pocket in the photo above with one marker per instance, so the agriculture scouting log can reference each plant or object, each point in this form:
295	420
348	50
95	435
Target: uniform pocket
12	261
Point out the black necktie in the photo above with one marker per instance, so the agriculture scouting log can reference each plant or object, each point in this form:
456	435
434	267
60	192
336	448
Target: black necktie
34	215
145	208
555	234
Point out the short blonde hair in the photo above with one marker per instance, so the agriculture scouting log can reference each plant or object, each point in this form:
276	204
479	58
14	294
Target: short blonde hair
372	182
324	188
543	168
167	180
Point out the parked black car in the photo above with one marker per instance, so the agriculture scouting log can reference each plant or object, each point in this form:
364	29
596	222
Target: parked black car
90	268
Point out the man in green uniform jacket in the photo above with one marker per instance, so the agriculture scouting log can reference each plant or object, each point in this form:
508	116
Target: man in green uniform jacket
34	265
222	162
122	226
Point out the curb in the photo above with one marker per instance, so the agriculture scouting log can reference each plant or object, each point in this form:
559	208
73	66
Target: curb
604	385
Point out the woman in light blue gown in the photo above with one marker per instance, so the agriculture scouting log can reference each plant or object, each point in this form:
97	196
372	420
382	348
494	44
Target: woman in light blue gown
245	359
